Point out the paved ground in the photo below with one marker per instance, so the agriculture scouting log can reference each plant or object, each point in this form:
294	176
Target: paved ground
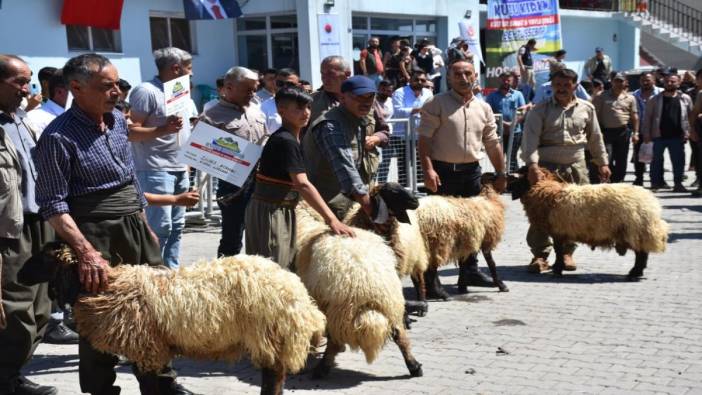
588	332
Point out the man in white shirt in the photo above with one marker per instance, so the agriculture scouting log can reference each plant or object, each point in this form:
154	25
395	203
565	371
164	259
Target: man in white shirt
283	79
52	108
268	87
407	102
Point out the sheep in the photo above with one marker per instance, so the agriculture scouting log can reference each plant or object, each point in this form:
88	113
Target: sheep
219	309
405	239
354	283
620	216
455	228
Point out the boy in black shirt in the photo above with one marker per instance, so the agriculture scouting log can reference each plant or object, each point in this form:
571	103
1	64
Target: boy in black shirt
280	180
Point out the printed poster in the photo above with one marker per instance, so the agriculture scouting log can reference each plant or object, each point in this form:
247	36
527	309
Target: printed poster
220	154
177	92
469	32
510	24
329	35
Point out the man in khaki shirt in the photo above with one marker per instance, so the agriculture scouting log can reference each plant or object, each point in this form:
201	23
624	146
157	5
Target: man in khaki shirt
556	134
235	114
616	108
454	127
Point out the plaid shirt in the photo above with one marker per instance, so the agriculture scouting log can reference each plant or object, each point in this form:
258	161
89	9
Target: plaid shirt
74	157
334	145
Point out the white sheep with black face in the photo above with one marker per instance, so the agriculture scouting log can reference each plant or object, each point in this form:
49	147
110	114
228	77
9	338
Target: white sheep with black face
219	309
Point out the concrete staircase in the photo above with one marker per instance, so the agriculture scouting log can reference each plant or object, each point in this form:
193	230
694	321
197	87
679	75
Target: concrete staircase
662	30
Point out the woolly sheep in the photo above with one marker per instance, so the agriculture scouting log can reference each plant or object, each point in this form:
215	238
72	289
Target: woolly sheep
405	239
354	283
619	216
455	228
221	309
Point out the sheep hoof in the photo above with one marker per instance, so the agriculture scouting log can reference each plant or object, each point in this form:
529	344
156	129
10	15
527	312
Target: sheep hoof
321	371
502	287
416	370
462	290
635	274
419	307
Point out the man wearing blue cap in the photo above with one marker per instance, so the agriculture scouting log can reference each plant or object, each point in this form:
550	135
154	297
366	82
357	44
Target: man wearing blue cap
340	148
599	66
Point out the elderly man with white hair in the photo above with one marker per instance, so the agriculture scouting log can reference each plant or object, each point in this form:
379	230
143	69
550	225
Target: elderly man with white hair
235	113
156	140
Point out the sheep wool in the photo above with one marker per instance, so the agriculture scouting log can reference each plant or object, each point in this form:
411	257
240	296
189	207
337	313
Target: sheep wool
405	239
353	281
455	228
219	309
605	215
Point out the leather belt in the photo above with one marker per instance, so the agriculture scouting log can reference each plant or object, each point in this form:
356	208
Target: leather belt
455	167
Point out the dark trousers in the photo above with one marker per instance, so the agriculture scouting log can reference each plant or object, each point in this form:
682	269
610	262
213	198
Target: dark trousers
27	308
516	143
639	168
676	150
123	239
617	145
463	181
233	219
698	164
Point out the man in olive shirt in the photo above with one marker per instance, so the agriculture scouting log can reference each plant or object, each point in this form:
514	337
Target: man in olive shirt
556	134
235	114
453	129
616	108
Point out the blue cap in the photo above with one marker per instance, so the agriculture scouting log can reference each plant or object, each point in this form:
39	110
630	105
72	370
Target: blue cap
599	49
358	85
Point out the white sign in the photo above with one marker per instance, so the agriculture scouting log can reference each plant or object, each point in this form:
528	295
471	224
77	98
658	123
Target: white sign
177	94
220	154
469	32
329	35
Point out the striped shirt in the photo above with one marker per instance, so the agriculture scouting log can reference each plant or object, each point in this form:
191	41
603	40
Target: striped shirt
75	157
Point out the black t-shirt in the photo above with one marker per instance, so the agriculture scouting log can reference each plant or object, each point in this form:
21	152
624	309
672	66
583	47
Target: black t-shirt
671	125
281	156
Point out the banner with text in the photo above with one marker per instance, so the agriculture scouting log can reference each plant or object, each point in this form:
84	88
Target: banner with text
510	24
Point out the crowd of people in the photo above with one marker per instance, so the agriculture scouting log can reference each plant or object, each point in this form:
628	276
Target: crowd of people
103	176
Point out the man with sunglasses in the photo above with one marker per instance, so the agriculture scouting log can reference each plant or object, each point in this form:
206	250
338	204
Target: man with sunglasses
407	101
339	160
285	78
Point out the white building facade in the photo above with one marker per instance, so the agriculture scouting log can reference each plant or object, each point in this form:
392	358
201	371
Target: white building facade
272	33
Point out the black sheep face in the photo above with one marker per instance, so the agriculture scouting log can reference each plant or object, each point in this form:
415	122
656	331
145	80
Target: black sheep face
518	184
56	264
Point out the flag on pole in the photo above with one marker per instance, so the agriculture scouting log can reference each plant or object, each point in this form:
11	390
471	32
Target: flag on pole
94	13
211	9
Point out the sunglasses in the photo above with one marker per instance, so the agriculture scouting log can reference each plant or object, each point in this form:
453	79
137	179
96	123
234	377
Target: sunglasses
284	84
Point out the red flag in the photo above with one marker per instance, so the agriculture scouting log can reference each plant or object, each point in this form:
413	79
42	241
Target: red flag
104	14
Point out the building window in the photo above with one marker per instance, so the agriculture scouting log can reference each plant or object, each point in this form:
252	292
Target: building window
170	31
386	29
85	38
268	41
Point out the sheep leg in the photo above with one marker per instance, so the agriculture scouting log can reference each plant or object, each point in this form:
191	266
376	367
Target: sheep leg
420	286
636	272
493	271
399	336
324	366
559	264
272	380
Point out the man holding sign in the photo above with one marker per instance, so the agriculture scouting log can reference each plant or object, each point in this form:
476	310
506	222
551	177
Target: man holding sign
235	114
157	132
